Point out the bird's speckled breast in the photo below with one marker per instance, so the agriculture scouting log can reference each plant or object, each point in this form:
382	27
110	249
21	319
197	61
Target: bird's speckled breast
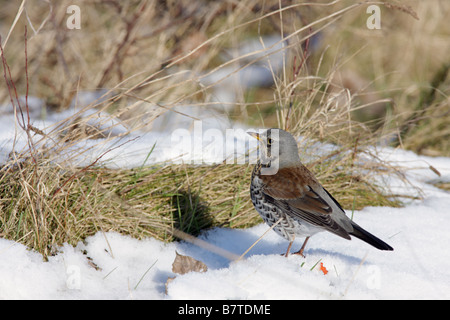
288	227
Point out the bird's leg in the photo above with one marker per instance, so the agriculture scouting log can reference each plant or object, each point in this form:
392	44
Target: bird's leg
288	248
300	252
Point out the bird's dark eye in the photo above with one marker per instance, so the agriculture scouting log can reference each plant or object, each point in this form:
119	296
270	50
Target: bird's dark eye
269	141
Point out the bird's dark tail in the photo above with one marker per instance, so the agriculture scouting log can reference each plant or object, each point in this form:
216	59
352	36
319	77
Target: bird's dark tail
365	236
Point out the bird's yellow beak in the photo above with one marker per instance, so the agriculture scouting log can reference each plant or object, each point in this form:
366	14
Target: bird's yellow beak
255	135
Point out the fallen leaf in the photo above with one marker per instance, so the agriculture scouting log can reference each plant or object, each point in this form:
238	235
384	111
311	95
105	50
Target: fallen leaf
184	264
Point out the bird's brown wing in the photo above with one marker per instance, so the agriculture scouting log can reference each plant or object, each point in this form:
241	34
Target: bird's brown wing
295	190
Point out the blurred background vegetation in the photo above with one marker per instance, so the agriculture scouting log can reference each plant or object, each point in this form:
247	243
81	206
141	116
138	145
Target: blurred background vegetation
399	71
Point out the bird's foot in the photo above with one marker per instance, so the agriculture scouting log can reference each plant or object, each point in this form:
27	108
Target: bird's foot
300	253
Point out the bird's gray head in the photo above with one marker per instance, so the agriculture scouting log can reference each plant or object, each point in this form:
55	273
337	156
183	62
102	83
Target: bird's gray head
279	148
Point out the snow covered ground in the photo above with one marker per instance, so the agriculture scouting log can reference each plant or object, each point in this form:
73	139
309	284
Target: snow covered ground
113	266
133	269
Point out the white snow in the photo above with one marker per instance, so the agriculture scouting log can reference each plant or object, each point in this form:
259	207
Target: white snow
139	269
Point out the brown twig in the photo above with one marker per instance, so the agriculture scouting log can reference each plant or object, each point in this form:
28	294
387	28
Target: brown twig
25	125
121	49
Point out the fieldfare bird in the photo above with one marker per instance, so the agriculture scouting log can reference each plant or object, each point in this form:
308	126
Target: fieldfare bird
286	194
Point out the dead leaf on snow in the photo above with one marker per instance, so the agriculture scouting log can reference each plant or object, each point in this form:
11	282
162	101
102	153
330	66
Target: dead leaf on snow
185	264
